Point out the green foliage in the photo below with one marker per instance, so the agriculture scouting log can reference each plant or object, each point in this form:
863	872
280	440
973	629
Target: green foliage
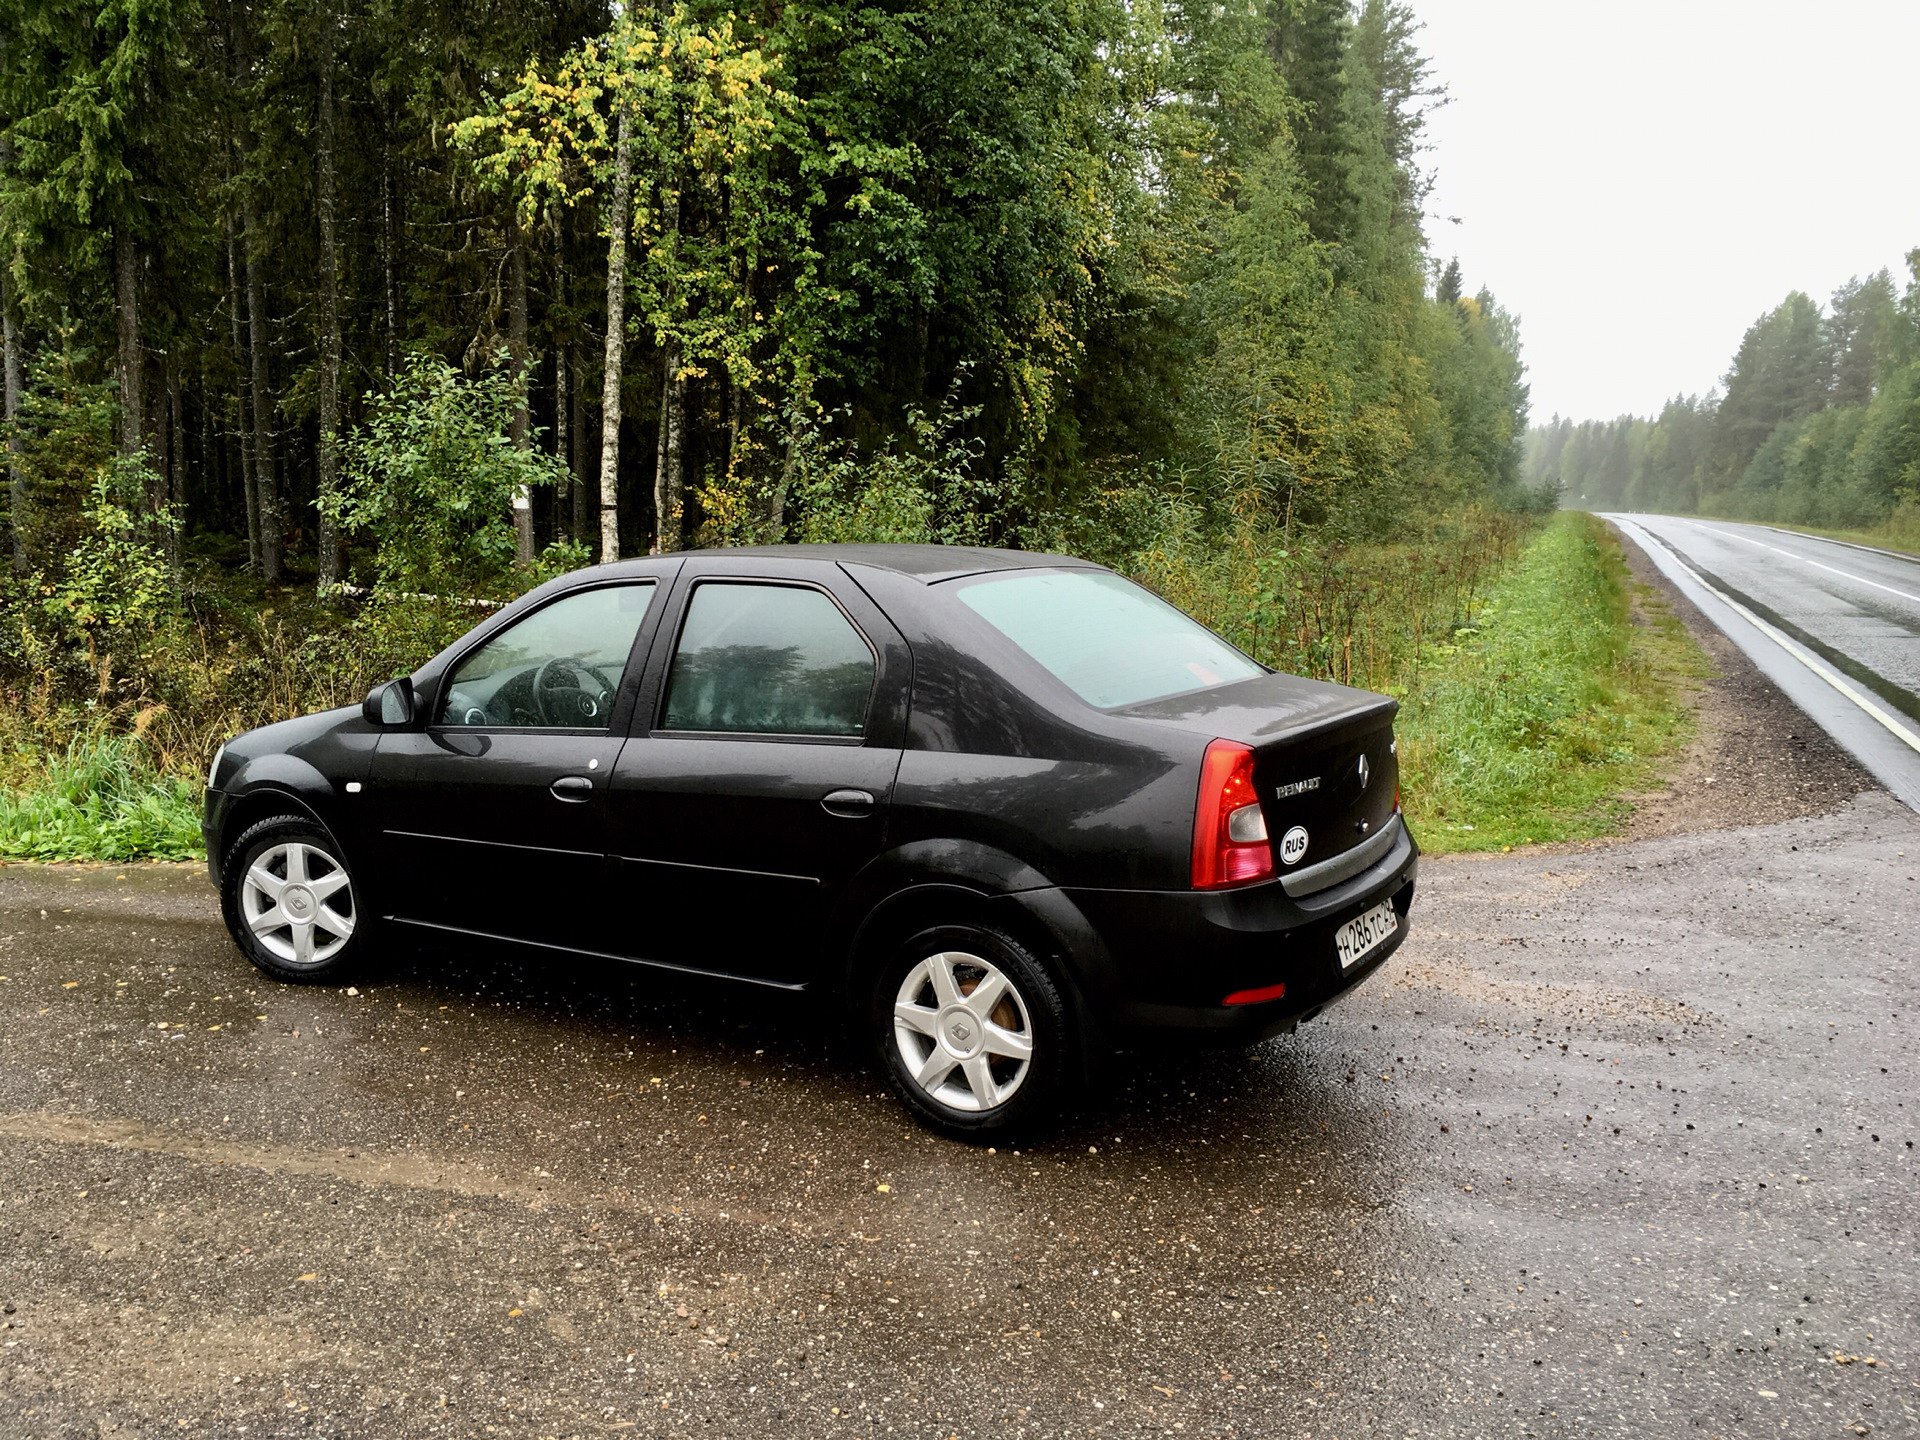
1552	704
116	579
431	476
65	432
101	798
702	104
1820	424
926	487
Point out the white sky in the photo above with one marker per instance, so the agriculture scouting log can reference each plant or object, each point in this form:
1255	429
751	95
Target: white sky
1639	180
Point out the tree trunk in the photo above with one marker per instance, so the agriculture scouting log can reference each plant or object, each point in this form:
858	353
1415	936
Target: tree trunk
669	462
16	471
126	305
563	518
243	389
519	428
773	513
175	501
327	539
562	429
619	217
10	385
270	522
212	491
670	458
392	349
582	499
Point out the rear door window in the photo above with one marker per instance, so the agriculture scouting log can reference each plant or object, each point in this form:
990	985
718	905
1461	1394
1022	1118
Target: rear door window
1109	641
768	660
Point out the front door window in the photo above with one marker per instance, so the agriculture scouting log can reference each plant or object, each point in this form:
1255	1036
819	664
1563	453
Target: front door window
558	669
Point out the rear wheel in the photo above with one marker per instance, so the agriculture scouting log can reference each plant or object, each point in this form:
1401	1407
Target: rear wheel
975	1034
289	901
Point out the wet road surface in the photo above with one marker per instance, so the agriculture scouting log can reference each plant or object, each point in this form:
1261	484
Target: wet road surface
1835	625
1621	1143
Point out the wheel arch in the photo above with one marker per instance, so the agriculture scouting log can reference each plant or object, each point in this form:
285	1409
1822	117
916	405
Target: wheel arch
262	799
936	883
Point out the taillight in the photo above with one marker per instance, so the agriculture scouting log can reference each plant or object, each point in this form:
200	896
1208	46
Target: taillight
1230	844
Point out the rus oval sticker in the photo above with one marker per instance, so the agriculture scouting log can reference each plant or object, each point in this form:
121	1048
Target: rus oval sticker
1293	845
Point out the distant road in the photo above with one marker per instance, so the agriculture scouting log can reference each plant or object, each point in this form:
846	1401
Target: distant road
1836	626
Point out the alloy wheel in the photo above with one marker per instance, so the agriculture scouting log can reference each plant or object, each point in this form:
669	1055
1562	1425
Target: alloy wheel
298	902
963	1031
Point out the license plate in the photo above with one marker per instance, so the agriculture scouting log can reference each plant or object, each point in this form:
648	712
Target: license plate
1365	933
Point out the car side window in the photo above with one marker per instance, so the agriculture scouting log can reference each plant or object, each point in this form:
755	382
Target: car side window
558	669
768	660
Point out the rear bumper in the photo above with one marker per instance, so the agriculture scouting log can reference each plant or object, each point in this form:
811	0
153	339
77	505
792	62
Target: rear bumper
1171	957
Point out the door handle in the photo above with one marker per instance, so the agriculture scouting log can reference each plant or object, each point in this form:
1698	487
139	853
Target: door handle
572	787
849	803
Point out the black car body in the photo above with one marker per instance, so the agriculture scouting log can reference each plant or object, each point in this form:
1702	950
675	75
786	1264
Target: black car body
937	772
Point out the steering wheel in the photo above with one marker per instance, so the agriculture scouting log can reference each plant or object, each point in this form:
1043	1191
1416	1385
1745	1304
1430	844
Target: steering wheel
570	693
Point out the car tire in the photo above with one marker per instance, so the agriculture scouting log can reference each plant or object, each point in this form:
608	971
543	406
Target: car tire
290	902
974	1067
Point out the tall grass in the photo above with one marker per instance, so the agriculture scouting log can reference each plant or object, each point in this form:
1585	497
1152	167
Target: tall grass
1365	614
99	798
1534	723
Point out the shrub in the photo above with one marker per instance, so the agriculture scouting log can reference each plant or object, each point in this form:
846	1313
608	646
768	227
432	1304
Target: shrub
432	474
102	798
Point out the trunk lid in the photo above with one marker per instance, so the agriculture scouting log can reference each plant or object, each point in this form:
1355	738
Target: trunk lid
1325	761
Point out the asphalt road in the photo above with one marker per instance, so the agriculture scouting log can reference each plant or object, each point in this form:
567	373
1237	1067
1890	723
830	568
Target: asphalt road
1837	626
1621	1143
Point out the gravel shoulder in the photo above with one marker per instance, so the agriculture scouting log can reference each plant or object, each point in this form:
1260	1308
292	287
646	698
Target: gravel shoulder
1755	757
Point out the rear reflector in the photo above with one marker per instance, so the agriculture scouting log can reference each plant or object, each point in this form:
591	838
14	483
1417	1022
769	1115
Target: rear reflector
1230	844
1256	997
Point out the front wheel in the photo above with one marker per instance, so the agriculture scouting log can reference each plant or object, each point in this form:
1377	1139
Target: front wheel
975	1034
289	901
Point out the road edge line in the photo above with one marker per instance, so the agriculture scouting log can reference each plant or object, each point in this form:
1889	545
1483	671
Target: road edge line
1793	647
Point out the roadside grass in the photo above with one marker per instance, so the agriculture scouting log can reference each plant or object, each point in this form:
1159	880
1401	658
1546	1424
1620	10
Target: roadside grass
1901	533
99	798
1534	722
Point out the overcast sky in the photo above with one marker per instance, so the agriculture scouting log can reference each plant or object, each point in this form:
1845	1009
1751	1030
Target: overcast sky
1640	179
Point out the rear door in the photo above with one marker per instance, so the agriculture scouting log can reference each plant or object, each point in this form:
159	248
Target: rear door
492	817
760	770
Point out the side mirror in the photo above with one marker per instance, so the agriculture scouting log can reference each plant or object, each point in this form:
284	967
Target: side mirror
390	706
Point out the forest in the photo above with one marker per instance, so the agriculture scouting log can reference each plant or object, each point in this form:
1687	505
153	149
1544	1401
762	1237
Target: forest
1816	422
311	305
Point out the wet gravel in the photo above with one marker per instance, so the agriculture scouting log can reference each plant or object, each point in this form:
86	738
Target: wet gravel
1621	1143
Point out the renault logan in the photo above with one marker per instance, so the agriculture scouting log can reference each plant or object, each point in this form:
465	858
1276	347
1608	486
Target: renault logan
1007	811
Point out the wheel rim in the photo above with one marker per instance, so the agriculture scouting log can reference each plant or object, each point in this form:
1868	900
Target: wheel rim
298	902
962	1031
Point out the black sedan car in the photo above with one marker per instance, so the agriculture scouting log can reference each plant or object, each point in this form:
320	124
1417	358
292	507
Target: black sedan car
1010	811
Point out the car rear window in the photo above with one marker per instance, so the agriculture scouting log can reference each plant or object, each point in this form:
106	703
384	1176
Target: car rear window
1109	641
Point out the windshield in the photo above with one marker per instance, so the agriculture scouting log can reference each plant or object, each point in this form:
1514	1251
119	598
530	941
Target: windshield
1109	641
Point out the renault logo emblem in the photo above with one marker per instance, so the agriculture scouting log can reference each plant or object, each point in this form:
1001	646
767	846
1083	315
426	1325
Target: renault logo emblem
1366	772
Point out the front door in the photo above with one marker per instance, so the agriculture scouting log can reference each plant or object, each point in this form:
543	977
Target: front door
492	818
763	782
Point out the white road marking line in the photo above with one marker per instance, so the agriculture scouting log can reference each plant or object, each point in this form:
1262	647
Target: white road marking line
1843	574
1799	652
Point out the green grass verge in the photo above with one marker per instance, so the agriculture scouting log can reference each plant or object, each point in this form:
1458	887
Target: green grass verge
1534	723
101	799
1903	539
